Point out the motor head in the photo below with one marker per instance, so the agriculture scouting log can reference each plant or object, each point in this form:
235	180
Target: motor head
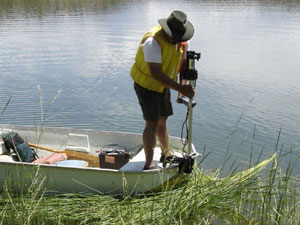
190	72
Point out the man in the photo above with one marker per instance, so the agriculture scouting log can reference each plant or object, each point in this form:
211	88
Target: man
159	58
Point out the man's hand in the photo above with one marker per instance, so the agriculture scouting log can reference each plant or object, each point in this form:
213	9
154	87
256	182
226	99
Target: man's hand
187	90
157	74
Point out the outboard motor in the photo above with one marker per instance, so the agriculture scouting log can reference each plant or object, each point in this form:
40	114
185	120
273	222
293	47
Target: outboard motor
190	74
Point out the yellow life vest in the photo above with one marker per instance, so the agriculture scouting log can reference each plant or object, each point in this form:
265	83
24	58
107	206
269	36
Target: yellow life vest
171	61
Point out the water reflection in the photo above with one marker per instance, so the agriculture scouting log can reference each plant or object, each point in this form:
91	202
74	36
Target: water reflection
42	8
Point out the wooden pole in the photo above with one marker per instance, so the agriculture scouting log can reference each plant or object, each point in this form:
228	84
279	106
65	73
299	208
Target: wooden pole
91	159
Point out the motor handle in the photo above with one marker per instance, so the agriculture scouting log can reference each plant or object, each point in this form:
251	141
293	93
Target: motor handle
186	101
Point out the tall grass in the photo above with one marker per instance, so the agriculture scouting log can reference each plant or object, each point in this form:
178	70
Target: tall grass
258	195
44	112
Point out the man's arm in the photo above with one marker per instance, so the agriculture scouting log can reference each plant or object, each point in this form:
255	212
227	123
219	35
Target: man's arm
157	74
181	80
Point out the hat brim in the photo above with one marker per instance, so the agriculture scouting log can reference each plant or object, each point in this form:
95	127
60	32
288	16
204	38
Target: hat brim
175	36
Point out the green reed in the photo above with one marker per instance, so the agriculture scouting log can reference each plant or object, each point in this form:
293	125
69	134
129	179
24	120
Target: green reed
258	195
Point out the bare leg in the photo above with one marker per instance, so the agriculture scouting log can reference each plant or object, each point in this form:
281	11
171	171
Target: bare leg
149	139
162	134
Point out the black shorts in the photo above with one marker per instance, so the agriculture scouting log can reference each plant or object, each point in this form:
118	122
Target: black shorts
154	104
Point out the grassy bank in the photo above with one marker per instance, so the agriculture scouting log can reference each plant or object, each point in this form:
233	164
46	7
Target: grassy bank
262	194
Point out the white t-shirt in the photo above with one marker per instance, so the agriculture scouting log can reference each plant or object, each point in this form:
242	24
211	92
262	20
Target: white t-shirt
152	50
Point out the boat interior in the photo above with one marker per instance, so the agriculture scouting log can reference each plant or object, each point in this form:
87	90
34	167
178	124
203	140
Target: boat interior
55	145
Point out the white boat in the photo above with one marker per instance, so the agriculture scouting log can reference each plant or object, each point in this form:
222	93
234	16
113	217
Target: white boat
62	178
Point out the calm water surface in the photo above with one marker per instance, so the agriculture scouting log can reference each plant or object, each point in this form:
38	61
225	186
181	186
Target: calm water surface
75	58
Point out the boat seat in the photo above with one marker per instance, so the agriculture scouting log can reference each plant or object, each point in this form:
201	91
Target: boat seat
72	163
75	142
137	163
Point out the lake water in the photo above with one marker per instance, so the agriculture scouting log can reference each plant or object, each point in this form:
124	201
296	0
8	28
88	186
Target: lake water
75	57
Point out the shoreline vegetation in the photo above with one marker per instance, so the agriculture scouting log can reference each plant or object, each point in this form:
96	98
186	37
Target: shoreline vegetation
262	194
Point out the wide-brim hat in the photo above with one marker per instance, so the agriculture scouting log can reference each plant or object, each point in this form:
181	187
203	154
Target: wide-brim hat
177	27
